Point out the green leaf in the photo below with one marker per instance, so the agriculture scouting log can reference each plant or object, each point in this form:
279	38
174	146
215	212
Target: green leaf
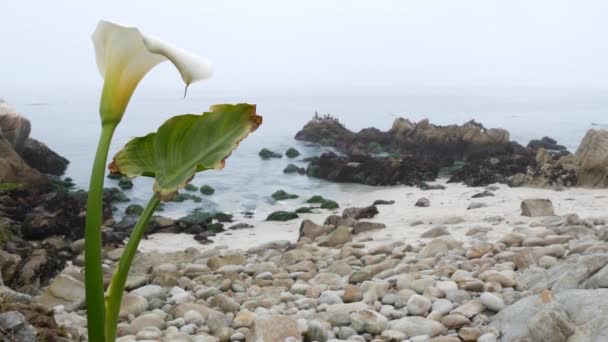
186	144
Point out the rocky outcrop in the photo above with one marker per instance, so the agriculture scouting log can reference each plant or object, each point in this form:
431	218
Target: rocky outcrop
410	153
15	128
452	142
546	143
470	153
496	167
366	169
39	156
22	159
13	169
592	157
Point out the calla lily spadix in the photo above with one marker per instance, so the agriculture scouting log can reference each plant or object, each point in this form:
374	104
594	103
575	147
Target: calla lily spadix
124	56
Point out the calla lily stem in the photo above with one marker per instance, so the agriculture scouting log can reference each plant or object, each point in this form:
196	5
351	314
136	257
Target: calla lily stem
93	252
117	286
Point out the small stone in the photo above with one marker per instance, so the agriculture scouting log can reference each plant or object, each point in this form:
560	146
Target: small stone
537	207
329	298
492	301
469	334
435	232
423	202
352	293
476	205
469	309
487	337
225	303
133	304
455	321
368	321
274	328
418	305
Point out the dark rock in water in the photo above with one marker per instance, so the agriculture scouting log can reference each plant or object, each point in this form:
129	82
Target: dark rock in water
484	193
207	190
268	154
423	202
114	176
292	153
222	217
125	183
383	202
190	187
329	204
292	168
365	169
282	216
360	213
325	131
114	195
127	223
427	186
42	158
304	210
281	195
316	199
134	209
239	226
185	197
196	217
546	143
59	184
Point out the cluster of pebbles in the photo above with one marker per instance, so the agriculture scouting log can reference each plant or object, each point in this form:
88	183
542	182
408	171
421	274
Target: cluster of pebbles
540	282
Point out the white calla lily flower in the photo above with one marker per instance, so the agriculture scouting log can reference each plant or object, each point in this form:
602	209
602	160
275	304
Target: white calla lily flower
125	55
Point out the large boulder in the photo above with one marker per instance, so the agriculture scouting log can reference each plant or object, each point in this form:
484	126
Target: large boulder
15	128
592	157
42	158
13	169
63	290
537	207
23	159
572	315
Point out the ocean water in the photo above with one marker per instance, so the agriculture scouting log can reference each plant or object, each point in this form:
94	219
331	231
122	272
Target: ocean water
68	122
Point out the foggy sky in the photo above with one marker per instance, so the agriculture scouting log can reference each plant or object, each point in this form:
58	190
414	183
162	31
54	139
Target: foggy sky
317	43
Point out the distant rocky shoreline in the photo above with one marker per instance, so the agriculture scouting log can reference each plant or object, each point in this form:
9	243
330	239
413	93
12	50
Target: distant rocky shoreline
415	153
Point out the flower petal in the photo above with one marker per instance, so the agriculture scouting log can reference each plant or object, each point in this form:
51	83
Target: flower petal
191	67
124	56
